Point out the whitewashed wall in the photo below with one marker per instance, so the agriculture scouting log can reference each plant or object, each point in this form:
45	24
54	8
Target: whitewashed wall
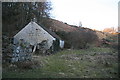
33	36
61	44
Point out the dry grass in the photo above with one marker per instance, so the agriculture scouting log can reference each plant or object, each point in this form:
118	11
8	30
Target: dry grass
89	63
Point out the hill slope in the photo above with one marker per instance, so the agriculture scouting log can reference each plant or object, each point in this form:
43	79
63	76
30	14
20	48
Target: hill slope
90	63
56	25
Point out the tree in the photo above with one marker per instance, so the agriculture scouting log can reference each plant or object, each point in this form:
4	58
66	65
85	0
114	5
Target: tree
110	30
15	15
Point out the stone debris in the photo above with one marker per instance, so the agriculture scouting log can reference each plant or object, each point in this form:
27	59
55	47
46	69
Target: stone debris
15	52
22	52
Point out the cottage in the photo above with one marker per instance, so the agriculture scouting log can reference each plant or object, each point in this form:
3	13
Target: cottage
36	35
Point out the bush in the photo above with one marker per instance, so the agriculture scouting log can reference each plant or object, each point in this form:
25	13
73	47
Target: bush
78	39
81	39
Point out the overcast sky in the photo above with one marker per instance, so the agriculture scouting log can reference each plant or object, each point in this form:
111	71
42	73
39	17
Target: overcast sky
95	14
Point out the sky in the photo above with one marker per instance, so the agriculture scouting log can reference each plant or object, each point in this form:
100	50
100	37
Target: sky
94	14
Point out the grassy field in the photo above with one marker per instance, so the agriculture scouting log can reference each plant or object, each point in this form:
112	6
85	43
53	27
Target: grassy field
89	63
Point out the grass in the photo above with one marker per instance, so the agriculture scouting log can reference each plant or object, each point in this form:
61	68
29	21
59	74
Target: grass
90	63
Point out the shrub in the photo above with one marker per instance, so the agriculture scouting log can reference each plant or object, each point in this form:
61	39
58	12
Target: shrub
78	39
81	39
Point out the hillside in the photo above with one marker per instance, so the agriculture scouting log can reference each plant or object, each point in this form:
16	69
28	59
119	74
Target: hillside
83	60
90	63
56	25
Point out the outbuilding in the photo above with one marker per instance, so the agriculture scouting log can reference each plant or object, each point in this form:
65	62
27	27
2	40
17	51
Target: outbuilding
36	35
